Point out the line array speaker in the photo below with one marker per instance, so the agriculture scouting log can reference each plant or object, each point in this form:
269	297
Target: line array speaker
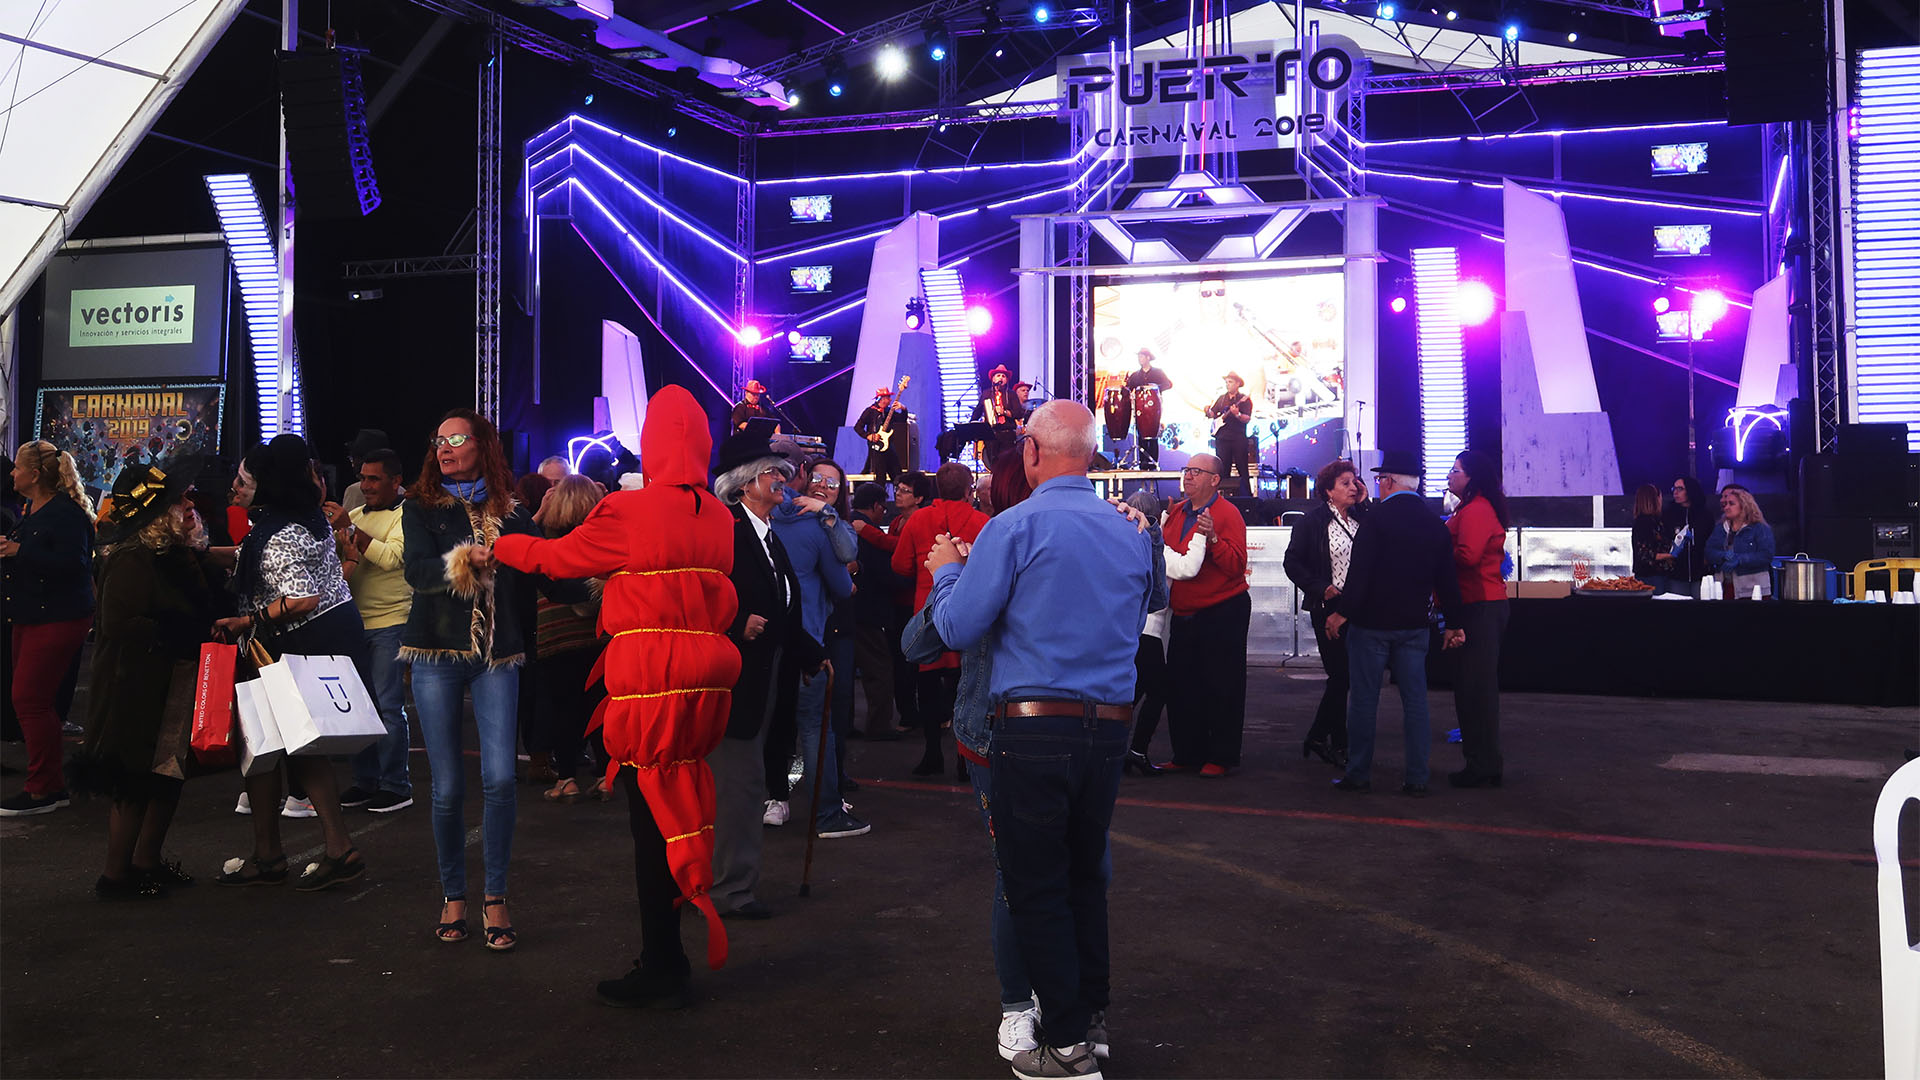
1776	61
326	115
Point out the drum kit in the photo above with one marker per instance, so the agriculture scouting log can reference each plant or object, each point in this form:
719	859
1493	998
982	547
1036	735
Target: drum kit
1138	408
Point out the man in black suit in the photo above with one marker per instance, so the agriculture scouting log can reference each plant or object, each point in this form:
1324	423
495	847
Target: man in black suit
774	645
1402	559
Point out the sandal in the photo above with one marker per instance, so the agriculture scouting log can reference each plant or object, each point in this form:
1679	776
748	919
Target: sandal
499	938
454	929
264	871
169	874
600	792
329	871
565	791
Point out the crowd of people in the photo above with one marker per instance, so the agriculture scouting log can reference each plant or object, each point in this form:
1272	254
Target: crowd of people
696	644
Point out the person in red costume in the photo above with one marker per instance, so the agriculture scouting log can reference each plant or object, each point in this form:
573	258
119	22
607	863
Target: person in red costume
667	551
939	681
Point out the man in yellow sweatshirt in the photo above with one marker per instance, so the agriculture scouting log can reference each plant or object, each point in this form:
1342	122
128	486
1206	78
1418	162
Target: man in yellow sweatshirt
370	551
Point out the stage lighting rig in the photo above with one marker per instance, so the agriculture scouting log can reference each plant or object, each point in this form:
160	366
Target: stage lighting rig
1386	11
916	312
890	62
836	77
1042	14
1513	31
939	42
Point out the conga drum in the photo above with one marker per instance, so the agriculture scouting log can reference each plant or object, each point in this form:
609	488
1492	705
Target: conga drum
1117	408
1146	412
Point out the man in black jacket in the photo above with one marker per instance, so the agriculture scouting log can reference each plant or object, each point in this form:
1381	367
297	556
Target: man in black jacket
772	641
1402	559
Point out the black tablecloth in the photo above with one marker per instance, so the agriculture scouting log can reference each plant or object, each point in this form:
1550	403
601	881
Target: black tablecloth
1852	654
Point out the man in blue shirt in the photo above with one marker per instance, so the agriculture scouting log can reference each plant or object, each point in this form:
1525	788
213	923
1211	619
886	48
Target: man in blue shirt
1059	587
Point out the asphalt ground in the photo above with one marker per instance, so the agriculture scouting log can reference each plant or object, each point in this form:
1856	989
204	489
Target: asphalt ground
1655	892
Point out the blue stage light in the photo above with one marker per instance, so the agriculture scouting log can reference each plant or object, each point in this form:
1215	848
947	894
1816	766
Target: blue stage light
1388	11
1513	31
1042	13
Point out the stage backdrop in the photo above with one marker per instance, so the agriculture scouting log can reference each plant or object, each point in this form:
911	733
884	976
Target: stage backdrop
106	427
1280	333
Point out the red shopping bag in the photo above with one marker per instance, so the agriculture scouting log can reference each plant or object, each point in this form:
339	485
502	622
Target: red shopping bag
213	739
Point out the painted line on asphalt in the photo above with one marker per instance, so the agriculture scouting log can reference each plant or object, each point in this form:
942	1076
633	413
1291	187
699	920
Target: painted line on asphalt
1697	1055
1451	826
1763	765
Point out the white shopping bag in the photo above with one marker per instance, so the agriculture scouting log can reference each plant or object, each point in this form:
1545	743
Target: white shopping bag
261	747
320	705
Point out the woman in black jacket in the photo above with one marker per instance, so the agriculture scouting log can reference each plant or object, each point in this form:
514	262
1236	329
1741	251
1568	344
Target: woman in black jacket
1316	562
48	563
1689	519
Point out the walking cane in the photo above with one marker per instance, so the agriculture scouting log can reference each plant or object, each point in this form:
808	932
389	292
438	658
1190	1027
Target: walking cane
819	770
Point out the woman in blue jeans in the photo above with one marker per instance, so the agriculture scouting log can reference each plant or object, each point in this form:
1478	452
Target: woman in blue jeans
465	635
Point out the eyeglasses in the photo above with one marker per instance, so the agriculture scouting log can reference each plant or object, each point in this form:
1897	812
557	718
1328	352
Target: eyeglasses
1192	471
826	481
455	441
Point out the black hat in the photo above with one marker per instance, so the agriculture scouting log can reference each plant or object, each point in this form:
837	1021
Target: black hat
141	493
366	441
742	447
1400	463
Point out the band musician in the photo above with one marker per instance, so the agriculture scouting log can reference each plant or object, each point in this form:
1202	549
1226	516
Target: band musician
1149	374
753	405
884	425
1230	413
1000	408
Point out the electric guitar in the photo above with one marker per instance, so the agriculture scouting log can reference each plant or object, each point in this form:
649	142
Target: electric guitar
882	440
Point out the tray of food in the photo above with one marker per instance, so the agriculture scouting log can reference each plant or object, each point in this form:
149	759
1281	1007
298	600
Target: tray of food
1617	586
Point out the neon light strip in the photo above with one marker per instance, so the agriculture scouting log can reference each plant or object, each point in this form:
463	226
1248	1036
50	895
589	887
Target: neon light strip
577	449
1886	242
576	118
1779	184
575	148
854	303
1536	134
725	323
1443	369
1589	263
1743	419
649	316
1568	194
952	343
257	266
949	170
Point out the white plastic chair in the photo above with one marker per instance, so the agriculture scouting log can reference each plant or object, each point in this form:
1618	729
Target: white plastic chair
1899	961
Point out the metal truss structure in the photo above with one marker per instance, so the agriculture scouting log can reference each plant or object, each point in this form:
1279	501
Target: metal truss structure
743	272
1079	289
487	213
1529	74
1824	255
414	267
910	22
1640	8
913	118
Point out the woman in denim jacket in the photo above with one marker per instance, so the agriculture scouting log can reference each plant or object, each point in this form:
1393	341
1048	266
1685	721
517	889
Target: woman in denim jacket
1742	543
920	642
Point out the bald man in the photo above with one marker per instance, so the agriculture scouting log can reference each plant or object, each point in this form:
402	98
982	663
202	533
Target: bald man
1207	650
1059	587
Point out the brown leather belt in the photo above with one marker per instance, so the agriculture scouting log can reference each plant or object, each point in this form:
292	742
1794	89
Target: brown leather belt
1122	713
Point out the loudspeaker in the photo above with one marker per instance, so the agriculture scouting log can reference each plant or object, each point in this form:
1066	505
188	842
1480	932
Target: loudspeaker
1776	61
1834	485
326	115
1871	440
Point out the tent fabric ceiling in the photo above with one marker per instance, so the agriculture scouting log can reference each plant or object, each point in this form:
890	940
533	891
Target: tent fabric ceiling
81	81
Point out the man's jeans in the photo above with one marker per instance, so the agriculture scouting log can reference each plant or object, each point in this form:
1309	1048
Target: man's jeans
438	687
383	766
1054	783
1369	654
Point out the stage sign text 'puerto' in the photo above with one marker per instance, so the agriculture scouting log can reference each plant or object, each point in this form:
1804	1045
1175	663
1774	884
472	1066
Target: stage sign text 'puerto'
1164	102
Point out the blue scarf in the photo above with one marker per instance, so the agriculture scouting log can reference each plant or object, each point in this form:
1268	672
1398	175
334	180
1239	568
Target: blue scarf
474	492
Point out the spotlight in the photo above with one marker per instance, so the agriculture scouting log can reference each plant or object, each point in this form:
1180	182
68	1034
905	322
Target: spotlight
916	312
1709	307
1387	11
836	77
672	131
1453	16
1473	302
793	337
998	53
1398	305
890	63
1661	304
1572	37
1513	31
749	336
1042	13
979	320
939	42
793	97
588	100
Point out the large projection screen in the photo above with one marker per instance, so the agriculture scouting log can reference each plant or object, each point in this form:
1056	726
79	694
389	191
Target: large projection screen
136	314
1285	335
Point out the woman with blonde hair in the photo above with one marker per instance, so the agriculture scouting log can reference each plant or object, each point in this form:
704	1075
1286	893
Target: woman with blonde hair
48	564
567	643
1741	546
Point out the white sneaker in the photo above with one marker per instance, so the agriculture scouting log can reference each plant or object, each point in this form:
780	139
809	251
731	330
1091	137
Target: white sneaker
244	806
298	808
776	814
1017	1032
1097	1035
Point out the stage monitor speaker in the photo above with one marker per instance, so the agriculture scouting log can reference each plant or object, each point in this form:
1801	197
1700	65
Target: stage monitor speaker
326	115
1836	485
1777	65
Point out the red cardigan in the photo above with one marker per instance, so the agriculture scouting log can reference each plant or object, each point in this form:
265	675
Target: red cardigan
1479	543
1223	575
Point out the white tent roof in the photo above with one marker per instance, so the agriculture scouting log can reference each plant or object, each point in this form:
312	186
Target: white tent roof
81	81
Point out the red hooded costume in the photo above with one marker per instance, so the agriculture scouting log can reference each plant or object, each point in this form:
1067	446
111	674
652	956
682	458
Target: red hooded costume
667	551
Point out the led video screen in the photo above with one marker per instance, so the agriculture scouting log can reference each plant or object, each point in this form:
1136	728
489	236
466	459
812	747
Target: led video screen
809	348
1680	159
1682	239
811	279
809	209
136	314
1284	335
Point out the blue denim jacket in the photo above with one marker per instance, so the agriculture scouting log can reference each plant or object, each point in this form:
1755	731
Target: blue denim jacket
921	643
1749	552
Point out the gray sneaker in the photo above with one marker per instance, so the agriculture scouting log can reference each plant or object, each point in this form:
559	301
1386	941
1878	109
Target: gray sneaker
1053	1063
1097	1035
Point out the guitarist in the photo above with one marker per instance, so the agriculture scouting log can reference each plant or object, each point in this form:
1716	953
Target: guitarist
884	425
1231	411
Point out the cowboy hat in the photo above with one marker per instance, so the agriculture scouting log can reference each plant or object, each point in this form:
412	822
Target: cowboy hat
755	386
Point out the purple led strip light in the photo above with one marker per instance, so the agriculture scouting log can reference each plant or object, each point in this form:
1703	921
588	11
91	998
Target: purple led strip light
575	148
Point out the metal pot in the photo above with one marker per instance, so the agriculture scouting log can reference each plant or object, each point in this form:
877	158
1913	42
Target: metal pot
1803	580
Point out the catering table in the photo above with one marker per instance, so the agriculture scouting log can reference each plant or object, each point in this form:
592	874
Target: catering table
1852	654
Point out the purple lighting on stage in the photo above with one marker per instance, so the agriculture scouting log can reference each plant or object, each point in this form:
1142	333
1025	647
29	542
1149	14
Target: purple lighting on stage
1474	302
1398	305
979	320
1709	307
749	336
1661	304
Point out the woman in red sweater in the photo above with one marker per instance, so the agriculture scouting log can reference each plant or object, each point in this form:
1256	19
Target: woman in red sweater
1479	531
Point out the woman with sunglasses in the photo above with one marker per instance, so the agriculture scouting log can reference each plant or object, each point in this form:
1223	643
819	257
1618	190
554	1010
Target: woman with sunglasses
466	635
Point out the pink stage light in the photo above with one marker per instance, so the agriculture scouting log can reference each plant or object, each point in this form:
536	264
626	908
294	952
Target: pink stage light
1474	302
979	320
748	335
1709	307
793	337
1661	304
1398	305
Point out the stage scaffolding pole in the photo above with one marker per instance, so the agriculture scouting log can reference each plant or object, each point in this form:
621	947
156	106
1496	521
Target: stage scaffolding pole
743	199
289	351
486	238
